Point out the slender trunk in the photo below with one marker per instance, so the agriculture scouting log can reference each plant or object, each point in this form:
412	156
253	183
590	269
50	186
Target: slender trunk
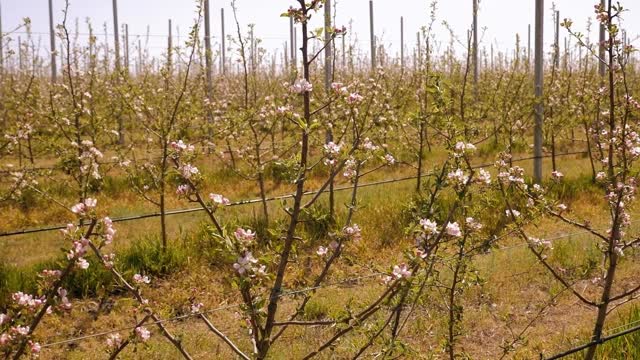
263	196
30	148
163	225
420	156
272	307
593	166
616	223
454	313
163	216
604	304
553	150
231	156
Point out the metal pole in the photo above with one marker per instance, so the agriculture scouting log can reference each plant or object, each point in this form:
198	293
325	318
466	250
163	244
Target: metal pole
169	48
207	48
373	40
418	51
292	41
252	54
601	51
475	48
223	58
140	64
126	47
1	46
538	108
566	59
328	50
492	56
344	54
52	39
20	53
295	45
625	44
115	34
286	55
402	43
116	39
529	46
557	40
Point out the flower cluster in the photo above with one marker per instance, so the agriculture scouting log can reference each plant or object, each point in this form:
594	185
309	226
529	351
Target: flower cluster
339	88
22	133
301	86
398	272
142	334
514	175
184	190
352	232
368	145
389	159
218	200
556	175
540	243
77	251
85	207
331	152
462	148
458	178
472	224
483	177
244	236
140	279
180	147
245	265
89	157
322	250
20	181
354	98
189	171
108	232
350	169
453	229
114	341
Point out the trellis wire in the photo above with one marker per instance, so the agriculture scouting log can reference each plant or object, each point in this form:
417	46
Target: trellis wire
210	311
257	200
594	342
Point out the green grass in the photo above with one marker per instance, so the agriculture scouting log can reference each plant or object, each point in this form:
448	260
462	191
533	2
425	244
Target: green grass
623	347
144	256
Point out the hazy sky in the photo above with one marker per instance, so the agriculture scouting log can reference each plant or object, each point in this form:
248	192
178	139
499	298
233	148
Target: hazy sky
501	18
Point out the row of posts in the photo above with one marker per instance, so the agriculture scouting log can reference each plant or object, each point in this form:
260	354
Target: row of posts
538	55
207	41
292	42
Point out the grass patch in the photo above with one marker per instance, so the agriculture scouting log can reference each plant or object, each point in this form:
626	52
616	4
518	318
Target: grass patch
623	347
145	256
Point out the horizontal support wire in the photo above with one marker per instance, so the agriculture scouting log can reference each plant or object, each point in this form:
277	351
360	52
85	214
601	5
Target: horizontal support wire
343	281
221	308
257	200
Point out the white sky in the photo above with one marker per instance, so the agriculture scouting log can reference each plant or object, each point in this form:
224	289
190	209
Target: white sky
501	18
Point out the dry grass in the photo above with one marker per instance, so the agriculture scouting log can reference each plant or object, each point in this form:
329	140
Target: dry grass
514	290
